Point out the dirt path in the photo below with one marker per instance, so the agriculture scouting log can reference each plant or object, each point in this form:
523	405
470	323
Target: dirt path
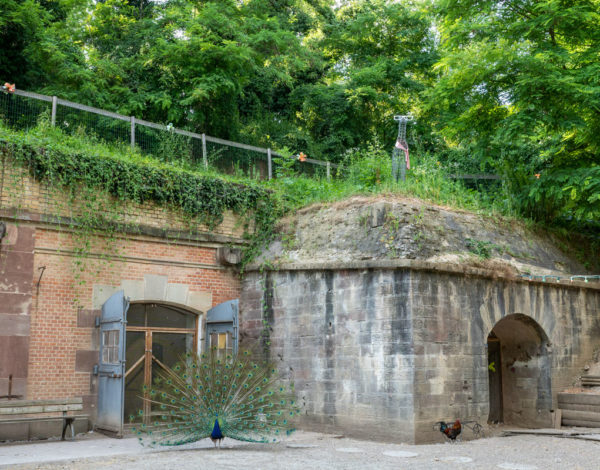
313	451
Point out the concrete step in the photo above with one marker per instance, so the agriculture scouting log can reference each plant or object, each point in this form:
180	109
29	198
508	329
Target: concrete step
578	398
579	409
590	380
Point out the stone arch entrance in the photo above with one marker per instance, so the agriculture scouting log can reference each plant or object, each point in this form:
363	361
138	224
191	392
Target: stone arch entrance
520	385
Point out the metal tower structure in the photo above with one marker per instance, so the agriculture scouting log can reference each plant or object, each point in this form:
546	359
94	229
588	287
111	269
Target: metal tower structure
399	164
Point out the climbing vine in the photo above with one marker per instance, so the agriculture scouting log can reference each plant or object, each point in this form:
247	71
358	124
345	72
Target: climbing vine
94	190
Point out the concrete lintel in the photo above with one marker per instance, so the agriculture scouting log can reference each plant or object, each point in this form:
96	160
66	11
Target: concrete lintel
133	289
177	293
155	287
201	301
101	293
416	265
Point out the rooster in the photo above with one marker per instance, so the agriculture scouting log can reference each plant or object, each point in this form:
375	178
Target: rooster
451	431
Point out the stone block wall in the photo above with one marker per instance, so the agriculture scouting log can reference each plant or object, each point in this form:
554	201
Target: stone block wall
386	352
345	339
16	285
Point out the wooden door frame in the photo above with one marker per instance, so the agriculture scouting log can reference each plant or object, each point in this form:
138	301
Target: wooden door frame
148	357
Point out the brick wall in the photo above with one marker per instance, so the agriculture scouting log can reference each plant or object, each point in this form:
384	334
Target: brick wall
48	341
64	343
21	195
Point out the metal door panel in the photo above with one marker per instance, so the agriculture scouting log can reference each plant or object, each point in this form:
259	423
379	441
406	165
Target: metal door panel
223	319
111	369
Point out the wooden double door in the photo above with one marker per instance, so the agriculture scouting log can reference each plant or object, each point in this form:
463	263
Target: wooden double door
156	338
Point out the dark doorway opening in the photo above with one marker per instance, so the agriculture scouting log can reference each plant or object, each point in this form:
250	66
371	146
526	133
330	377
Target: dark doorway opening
519	370
495	378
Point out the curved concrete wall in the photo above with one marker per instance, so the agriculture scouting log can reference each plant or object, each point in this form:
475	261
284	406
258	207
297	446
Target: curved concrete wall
385	352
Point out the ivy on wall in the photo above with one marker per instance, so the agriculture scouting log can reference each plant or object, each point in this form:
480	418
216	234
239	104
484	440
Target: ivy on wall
202	197
89	179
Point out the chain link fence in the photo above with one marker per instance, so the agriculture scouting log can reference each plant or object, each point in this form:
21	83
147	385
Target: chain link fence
23	110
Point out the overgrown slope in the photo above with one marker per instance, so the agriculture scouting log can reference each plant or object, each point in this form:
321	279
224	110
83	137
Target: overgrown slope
391	227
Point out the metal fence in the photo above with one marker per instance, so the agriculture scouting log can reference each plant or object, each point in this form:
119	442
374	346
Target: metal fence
23	110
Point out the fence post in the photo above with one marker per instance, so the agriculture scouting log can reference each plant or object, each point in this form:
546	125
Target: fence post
53	118
269	164
328	171
132	133
204	156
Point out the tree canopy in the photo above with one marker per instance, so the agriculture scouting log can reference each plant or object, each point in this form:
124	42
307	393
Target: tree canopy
504	86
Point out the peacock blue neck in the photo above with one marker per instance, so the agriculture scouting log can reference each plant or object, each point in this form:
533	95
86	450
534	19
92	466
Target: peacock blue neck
216	432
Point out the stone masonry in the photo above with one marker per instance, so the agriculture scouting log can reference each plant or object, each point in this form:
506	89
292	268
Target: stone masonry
384	349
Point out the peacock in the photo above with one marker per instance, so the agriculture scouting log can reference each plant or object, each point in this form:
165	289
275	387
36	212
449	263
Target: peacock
216	395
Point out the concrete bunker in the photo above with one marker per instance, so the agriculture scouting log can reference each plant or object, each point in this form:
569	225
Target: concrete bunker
519	370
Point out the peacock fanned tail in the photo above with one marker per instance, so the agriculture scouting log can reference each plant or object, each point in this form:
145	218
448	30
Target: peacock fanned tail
246	399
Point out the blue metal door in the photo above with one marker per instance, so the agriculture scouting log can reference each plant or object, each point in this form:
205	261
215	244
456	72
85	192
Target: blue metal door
222	326
111	370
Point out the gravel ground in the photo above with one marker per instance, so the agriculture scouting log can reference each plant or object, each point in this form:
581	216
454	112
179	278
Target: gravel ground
306	450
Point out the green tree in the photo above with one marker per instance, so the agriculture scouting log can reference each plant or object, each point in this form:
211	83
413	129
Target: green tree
380	55
519	92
